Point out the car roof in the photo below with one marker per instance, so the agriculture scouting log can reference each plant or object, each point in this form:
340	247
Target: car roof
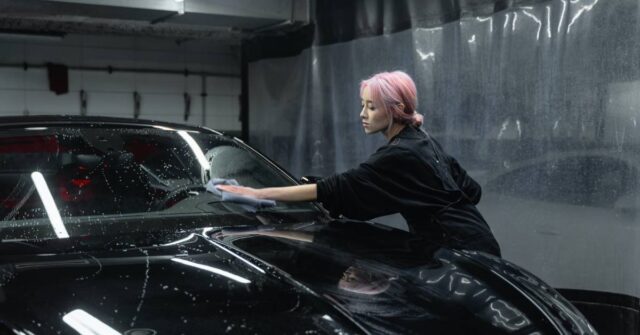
628	158
47	120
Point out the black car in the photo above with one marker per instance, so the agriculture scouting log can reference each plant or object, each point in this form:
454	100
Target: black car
110	226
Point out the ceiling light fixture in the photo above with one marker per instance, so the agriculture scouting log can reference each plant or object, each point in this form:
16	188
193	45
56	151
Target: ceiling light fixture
181	5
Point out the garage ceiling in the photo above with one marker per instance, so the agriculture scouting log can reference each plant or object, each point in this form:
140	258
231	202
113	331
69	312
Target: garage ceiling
227	21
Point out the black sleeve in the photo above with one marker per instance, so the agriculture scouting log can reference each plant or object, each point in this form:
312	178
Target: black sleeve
469	187
380	186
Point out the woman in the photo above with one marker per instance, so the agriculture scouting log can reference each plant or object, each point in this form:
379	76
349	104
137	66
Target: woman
410	175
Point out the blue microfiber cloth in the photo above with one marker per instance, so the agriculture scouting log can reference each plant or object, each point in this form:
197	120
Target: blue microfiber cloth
211	185
248	203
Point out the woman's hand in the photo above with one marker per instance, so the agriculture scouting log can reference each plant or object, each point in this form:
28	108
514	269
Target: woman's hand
242	190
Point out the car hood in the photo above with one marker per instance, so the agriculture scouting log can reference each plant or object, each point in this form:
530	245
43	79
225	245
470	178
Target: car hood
391	281
193	285
344	277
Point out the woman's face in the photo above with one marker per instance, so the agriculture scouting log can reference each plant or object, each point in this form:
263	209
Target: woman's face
373	118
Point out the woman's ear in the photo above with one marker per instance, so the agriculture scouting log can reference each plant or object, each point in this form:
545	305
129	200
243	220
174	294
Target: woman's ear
401	106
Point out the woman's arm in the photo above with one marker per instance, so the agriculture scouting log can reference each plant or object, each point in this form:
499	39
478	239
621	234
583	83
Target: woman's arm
288	193
467	185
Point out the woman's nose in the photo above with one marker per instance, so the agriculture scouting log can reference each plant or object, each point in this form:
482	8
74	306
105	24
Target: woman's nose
362	113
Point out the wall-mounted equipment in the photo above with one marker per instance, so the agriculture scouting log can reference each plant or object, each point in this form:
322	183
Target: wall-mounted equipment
137	100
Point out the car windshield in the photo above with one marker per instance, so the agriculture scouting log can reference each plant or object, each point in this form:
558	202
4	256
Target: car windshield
54	176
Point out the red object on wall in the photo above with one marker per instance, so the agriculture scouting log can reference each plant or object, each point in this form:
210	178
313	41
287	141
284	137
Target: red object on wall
58	78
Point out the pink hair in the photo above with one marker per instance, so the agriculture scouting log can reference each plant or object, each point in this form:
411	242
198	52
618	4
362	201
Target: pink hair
389	91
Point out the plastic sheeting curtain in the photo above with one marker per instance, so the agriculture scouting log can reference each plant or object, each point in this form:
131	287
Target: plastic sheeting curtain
540	104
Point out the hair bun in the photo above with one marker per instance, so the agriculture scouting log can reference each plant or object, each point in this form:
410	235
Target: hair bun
417	119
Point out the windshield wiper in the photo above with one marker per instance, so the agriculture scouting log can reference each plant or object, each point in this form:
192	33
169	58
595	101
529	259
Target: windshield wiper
154	176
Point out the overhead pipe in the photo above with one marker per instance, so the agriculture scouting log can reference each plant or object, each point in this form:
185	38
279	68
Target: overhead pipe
110	69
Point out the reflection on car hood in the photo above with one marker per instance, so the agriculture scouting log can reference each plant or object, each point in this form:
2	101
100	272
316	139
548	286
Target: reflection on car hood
192	286
394	282
354	277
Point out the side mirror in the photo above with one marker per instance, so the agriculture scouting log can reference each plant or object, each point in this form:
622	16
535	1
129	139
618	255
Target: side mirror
309	179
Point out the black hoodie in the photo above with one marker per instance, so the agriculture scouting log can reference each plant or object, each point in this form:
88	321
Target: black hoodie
413	176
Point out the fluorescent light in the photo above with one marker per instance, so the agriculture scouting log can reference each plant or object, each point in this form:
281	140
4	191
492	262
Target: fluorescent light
214	270
163	128
85	324
181	6
180	240
49	205
35	128
196	149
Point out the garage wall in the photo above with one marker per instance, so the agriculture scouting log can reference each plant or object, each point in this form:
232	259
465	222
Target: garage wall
539	104
27	92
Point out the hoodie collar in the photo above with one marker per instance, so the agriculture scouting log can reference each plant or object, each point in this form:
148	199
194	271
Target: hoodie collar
409	132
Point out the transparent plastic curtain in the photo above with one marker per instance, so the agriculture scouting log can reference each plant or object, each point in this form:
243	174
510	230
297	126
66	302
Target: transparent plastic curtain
540	104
